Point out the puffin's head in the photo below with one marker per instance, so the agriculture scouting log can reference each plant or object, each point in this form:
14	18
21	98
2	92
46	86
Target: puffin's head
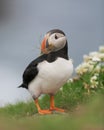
54	40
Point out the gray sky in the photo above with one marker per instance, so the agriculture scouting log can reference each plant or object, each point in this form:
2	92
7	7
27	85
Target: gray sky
23	24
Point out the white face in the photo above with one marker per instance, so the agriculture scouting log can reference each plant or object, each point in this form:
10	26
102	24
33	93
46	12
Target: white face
57	40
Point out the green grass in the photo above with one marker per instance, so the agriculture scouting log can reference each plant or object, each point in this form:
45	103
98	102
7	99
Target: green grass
69	98
83	111
85	117
21	109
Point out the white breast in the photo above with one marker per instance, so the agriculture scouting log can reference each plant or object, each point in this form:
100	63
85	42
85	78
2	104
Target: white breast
51	76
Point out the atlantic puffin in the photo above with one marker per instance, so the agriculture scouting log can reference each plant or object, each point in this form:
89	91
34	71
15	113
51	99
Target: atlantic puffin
50	71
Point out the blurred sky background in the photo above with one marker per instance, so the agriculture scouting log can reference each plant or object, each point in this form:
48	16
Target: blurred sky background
23	24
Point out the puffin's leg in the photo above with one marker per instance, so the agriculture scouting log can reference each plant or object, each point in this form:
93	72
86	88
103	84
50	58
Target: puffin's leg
52	105
40	111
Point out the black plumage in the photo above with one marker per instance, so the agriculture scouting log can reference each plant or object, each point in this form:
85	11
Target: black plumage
56	30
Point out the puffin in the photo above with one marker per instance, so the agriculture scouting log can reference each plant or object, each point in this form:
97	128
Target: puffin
50	71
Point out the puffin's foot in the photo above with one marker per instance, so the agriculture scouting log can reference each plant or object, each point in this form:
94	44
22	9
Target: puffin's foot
52	105
40	111
44	112
57	109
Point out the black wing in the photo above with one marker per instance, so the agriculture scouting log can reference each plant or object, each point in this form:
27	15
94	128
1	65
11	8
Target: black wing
31	71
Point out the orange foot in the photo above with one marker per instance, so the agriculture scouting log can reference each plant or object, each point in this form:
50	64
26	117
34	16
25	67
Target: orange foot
57	109
44	112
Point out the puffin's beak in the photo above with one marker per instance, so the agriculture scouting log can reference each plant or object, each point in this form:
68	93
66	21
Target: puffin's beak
43	46
46	47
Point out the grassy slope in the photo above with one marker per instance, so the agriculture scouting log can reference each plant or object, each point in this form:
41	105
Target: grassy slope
68	98
73	98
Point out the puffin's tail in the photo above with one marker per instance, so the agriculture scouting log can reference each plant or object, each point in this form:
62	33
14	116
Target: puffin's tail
23	86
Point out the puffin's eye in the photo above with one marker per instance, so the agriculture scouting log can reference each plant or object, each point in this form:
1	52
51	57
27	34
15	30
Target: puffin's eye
56	37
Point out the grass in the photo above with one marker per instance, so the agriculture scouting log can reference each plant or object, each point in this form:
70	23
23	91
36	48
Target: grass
68	98
85	117
83	111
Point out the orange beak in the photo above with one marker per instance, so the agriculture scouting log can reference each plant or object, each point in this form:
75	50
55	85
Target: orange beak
43	46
